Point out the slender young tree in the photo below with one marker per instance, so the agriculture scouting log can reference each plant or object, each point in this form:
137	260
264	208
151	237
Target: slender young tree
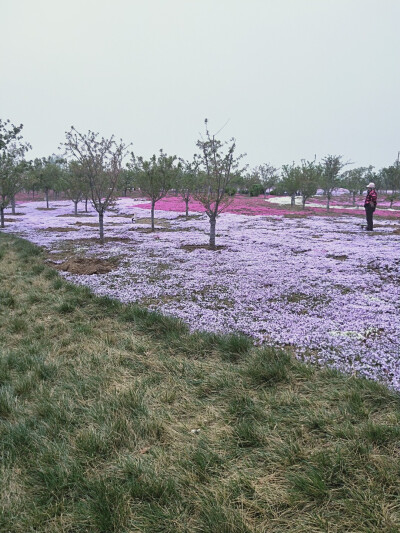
330	177
101	161
76	185
251	181
390	177
12	164
309	177
11	180
218	165
187	182
47	174
268	175
354	180
290	182
155	177
126	181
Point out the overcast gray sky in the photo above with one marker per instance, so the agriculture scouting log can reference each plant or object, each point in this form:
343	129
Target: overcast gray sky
293	78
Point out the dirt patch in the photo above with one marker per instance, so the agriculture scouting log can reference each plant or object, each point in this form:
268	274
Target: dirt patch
46	208
157	221
190	217
193	247
338	257
72	215
97	241
295	252
58	230
90	224
156	230
88	266
96	224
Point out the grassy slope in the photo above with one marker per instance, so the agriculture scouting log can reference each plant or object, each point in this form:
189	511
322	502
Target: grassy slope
98	401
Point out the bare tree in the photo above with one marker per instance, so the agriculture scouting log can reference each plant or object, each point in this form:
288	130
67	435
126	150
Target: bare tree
218	165
101	162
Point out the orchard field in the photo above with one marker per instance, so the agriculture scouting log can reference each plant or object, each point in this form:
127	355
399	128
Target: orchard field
309	281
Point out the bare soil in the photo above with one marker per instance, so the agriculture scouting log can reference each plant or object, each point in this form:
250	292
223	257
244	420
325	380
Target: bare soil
92	240
193	247
91	224
58	230
88	266
72	215
157	222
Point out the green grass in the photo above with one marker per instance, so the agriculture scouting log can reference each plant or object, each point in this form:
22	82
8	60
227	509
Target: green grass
115	419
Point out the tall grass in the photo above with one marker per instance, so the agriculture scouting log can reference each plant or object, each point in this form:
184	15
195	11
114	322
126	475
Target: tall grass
115	419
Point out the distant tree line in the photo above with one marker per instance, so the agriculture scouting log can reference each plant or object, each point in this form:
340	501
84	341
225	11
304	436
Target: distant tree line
97	170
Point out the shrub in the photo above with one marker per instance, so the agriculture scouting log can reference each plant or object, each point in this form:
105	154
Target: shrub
230	191
256	189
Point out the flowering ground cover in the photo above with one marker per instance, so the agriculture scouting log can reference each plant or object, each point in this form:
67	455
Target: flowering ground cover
319	285
280	205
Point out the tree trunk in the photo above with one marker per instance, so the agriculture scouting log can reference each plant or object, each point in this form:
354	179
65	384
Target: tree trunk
101	227
76	207
187	207
354	198
2	217
304	198
328	199
13	205
152	214
86	202
292	200
33	193
46	192
213	221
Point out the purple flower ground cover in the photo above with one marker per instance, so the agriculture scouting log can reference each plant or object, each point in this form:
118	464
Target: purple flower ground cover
318	284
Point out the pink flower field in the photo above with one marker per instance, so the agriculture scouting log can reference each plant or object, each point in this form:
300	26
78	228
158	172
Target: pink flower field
317	284
243	205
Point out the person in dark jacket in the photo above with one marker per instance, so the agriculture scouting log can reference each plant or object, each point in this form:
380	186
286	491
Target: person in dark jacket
370	205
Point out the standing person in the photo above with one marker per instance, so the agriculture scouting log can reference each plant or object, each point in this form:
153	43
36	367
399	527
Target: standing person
370	205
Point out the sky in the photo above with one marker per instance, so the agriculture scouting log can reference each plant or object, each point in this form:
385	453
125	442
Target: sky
288	79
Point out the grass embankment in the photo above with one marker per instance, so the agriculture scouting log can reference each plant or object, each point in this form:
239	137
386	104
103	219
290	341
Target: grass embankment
115	419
